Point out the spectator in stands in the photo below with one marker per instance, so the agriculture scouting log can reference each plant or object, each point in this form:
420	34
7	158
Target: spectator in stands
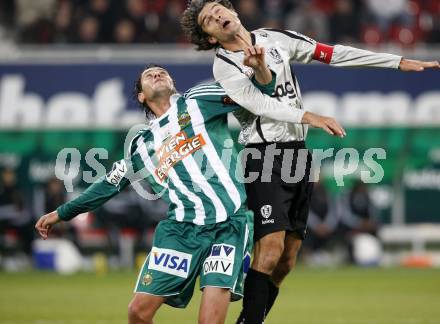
169	26
432	19
344	22
339	21
49	197
13	214
125	32
385	13
308	20
251	15
322	222
88	31
63	22
55	195
102	11
357	214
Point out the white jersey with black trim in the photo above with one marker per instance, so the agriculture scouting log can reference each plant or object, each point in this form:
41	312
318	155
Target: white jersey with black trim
282	47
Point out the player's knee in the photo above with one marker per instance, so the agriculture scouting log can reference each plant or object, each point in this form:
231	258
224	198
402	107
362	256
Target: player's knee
286	264
269	254
139	312
210	317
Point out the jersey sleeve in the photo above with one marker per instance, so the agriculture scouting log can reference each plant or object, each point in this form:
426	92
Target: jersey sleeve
300	47
346	56
106	187
212	99
304	49
240	88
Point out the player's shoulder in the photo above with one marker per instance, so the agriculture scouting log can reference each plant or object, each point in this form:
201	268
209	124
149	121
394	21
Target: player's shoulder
282	34
143	135
204	91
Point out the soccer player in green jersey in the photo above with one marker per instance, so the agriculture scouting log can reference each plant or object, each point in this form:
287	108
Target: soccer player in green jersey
208	231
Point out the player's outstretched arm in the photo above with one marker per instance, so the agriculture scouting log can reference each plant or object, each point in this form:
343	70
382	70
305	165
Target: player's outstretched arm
46	222
328	124
407	65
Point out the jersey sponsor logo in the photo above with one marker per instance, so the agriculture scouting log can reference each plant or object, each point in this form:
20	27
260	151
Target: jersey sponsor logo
118	172
249	72
266	211
170	261
282	90
220	259
273	52
174	149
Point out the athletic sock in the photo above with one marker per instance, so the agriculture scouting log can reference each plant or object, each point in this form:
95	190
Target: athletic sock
256	290
272	296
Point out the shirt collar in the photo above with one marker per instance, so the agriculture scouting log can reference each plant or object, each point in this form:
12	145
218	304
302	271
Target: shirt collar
173	104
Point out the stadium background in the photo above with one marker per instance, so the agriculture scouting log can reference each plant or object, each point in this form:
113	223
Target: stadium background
67	70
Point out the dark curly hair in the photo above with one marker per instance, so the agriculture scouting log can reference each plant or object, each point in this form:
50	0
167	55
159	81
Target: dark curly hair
191	27
138	89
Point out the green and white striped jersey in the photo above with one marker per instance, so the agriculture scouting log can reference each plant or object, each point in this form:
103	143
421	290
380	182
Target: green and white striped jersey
187	154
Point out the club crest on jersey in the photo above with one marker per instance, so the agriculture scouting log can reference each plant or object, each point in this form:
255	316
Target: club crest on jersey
273	52
220	259
147	279
174	149
170	261
184	120
266	211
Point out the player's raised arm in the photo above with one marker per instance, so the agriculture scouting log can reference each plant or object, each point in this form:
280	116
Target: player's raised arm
241	89
249	96
93	197
304	49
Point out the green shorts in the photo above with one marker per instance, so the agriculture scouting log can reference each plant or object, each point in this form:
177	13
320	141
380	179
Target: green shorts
183	251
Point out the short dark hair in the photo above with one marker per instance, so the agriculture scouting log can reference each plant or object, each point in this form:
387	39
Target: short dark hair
191	27
138	89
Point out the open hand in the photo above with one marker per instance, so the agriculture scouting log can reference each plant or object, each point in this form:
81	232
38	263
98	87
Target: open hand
417	66
328	124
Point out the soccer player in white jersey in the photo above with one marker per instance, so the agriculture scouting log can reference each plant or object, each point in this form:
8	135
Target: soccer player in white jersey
280	207
208	230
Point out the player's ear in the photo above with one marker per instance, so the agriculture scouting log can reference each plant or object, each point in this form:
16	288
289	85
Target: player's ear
141	97
212	40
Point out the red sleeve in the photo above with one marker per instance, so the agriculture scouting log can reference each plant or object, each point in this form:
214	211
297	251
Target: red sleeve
323	53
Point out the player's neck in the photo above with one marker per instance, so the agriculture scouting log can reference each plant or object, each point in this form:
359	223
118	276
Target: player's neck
159	106
241	41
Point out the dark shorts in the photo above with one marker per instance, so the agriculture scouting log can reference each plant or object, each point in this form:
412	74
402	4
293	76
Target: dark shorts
280	195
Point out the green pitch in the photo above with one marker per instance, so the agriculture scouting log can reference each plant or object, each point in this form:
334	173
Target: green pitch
350	295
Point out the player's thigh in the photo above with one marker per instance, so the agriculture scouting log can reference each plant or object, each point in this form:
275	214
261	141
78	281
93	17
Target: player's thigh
300	205
214	305
229	249
270	203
